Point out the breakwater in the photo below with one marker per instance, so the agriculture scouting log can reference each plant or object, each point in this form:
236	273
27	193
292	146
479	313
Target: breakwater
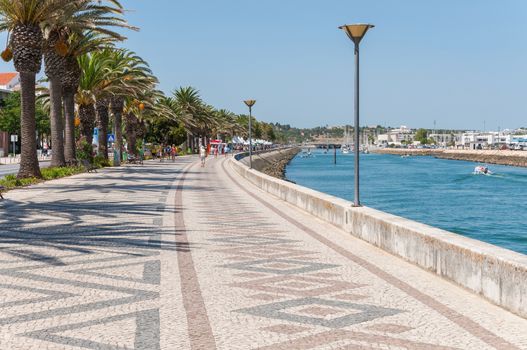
512	158
273	163
497	274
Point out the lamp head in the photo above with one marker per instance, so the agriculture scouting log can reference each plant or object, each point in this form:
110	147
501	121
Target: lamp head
356	31
250	103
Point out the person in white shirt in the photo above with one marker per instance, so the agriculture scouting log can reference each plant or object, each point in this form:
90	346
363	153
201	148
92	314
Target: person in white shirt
202	155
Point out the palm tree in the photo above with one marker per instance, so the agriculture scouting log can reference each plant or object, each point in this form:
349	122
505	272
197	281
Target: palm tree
137	111
129	74
23	19
78	45
77	17
225	122
189	107
93	81
102	108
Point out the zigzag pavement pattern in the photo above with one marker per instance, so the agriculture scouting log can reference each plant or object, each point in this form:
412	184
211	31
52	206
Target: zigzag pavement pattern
175	256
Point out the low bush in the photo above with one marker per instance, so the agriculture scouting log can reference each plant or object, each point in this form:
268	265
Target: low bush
56	173
101	162
11	181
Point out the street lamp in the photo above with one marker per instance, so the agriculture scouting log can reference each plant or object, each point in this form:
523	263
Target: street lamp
250	104
356	32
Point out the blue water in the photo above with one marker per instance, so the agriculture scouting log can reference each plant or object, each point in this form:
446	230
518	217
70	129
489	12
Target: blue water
437	192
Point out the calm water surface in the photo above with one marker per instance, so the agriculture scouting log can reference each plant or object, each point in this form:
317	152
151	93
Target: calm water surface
437	192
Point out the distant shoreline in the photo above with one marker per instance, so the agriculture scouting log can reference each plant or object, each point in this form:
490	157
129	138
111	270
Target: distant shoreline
511	158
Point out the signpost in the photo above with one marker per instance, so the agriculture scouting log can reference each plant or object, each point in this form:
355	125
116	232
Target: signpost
116	155
95	136
14	139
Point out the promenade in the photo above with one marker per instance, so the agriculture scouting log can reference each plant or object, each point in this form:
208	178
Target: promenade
175	256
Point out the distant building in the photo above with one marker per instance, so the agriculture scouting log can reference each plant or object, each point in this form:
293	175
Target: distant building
10	81
483	140
445	140
396	136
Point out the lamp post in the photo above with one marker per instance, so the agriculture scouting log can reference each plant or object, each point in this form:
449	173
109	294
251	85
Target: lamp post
356	32
250	104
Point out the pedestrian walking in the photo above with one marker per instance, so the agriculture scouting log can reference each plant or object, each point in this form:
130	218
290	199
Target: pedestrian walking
202	156
173	153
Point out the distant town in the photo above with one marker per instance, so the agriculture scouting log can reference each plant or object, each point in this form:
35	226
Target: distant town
406	137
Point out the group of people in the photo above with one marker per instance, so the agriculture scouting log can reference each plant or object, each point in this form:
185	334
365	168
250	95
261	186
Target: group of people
203	152
163	152
166	152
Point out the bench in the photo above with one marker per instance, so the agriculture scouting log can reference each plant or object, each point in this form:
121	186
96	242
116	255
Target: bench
88	166
135	160
1	189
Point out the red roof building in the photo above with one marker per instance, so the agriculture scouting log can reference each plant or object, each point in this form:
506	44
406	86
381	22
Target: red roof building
9	81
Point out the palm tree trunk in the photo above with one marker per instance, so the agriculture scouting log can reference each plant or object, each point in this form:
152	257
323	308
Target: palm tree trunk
57	129
87	117
68	97
117	111
102	124
118	120
28	159
132	124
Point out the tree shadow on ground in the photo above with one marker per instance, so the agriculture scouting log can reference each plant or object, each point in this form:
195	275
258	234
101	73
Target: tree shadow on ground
42	230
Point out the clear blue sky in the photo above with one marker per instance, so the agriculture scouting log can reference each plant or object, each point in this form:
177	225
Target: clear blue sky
457	62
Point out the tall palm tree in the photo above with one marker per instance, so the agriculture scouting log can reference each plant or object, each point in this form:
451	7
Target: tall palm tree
138	110
94	79
23	19
189	107
77	17
102	108
226	123
78	45
130	74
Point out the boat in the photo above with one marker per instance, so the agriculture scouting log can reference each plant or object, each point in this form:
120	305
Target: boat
482	170
345	148
306	154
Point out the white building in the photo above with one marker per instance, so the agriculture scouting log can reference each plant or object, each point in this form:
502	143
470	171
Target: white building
445	140
482	140
396	136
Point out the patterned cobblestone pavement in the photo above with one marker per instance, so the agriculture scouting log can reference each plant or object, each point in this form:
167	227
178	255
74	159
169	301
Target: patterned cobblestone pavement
174	256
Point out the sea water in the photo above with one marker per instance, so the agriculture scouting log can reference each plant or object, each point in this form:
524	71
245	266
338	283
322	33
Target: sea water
438	192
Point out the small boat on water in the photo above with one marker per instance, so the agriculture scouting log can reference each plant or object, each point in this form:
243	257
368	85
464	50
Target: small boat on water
482	170
306	154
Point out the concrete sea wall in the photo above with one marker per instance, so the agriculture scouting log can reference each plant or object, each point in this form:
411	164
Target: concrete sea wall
513	158
497	274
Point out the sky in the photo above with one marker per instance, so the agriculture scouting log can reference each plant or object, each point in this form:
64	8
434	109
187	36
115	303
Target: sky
459	63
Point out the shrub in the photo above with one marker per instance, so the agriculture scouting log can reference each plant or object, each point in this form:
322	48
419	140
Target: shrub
11	181
56	173
84	151
101	162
